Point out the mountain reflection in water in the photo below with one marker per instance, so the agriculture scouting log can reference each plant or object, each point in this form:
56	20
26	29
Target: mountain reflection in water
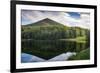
48	49
31	58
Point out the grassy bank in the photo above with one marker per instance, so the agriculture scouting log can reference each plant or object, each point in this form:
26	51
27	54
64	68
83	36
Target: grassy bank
83	55
81	39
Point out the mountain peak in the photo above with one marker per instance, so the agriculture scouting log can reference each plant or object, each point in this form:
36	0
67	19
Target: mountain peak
46	21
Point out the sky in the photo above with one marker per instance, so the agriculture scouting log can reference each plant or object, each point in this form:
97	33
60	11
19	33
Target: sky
66	18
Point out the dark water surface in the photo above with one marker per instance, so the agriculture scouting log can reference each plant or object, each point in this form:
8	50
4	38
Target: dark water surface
48	49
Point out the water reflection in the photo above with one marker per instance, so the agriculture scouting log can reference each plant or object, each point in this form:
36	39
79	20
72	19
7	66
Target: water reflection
48	49
25	58
30	58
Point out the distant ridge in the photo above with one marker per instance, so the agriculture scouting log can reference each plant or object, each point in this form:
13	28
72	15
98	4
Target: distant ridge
45	21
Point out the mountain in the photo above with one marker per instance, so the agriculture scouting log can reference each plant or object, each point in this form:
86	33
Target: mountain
48	23
44	22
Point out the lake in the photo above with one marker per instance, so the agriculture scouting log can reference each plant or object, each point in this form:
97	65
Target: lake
50	50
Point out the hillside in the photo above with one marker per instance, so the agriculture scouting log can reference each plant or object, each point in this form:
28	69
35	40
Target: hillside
50	29
43	22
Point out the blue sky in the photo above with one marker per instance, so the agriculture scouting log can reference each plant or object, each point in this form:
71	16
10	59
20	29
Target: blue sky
66	18
75	15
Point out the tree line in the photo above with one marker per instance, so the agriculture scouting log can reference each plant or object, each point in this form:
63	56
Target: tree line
53	32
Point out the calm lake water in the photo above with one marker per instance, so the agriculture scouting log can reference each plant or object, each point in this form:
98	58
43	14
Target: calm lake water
50	50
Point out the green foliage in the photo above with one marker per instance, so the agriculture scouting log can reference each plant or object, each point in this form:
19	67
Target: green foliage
44	32
52	32
83	55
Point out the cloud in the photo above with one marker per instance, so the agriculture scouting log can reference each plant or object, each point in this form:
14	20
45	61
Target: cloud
68	19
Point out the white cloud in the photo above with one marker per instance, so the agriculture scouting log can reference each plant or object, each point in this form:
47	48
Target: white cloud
61	17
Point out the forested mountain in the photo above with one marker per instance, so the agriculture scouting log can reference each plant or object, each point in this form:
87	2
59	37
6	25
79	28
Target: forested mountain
49	29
